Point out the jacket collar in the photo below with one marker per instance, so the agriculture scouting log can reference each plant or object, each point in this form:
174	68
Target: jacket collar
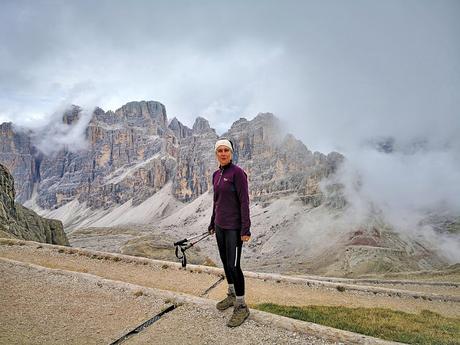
225	167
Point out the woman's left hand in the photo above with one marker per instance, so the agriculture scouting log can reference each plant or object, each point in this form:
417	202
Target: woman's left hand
245	238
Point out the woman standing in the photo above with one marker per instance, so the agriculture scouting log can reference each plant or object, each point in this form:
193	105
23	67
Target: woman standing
231	224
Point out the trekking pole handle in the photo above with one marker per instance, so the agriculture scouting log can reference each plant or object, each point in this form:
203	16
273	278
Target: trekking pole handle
178	243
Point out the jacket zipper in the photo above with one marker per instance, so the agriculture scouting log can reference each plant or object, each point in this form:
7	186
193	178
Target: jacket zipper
220	176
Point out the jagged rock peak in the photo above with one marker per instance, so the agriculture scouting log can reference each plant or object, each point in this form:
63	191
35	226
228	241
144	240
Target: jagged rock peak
180	130
6	126
267	120
147	110
201	125
335	157
240	121
266	117
71	115
175	123
99	110
290	141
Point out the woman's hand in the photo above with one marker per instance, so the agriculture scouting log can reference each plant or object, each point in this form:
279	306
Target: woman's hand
245	238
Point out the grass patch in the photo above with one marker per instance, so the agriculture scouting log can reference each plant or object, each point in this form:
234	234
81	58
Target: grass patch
424	328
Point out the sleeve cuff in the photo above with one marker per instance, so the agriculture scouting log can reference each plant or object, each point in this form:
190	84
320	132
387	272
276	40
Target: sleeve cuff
245	232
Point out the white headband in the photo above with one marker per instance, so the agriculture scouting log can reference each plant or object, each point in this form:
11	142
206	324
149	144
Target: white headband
223	142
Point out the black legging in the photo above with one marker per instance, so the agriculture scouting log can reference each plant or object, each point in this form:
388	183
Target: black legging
230	244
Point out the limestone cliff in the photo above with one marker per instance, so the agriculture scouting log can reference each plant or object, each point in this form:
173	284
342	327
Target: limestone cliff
277	163
132	153
19	222
195	162
129	156
18	154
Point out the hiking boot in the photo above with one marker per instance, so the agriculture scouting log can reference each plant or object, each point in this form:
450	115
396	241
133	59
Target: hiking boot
227	302
240	313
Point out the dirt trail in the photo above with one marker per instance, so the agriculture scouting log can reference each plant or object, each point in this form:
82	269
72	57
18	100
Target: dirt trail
442	287
44	306
195	280
149	280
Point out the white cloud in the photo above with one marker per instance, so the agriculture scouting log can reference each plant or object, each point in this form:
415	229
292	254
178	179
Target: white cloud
405	189
340	74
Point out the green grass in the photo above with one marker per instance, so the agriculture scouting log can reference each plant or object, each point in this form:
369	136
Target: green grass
424	328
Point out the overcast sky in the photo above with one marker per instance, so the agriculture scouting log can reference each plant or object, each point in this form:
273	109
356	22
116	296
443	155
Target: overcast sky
339	73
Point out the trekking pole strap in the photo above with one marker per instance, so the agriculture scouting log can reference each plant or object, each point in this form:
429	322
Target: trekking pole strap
178	243
182	246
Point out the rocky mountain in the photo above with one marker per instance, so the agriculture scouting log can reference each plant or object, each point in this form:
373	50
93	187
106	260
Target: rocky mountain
152	179
133	152
19	222
18	154
278	164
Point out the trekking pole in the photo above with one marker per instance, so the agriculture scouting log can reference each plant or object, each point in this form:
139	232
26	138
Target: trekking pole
183	245
178	243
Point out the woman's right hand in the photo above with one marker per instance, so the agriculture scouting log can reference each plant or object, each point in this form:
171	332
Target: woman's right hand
211	231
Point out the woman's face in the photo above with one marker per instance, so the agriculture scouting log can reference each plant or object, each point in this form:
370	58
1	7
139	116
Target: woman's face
224	155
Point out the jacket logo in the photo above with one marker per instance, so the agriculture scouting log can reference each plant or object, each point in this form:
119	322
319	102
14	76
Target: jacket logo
225	179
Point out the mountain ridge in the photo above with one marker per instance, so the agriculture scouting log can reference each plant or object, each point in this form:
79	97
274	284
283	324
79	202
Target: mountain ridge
138	132
150	177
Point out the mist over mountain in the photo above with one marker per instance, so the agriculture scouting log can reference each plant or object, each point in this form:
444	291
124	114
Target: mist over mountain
94	150
407	181
135	166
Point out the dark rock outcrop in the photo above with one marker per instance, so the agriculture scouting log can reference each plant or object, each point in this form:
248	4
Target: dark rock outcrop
18	154
19	222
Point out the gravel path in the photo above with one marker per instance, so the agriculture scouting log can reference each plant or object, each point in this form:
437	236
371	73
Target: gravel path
40	306
163	276
61	295
191	325
439	287
43	308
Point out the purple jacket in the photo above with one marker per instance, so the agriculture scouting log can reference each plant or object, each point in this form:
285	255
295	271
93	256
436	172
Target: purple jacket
231	199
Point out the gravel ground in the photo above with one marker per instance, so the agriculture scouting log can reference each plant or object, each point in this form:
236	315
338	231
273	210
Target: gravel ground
62	295
191	325
151	275
441	290
44	307
258	291
441	286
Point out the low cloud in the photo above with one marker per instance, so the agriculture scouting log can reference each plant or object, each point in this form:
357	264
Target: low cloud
341	75
56	135
414	188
